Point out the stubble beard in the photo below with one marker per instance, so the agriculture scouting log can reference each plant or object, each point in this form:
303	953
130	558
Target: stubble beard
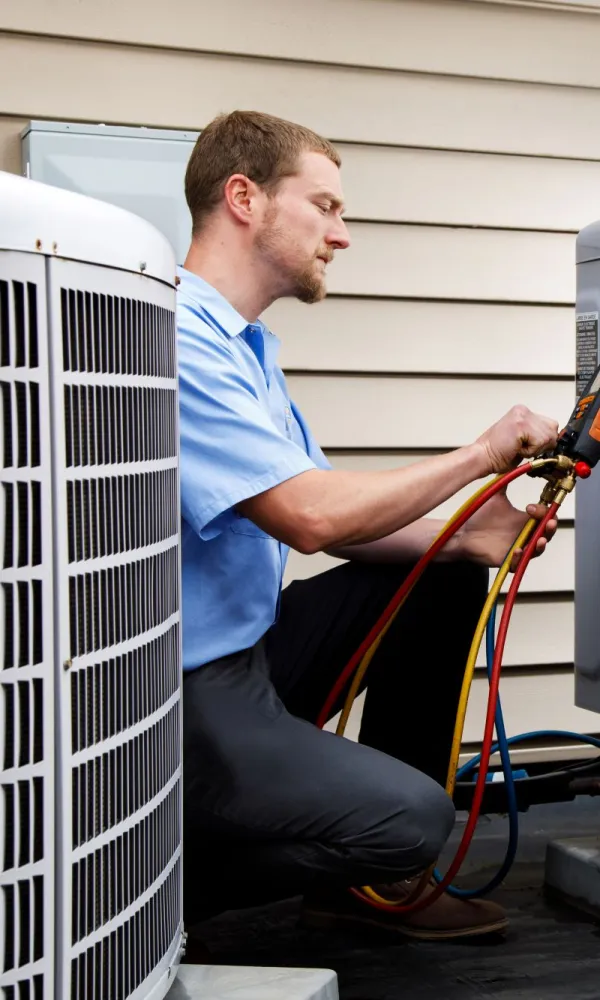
303	282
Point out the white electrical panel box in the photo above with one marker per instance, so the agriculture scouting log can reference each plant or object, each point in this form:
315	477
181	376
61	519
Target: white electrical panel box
139	169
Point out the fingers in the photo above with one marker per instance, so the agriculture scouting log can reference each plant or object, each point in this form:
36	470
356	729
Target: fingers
519	434
538	433
542	543
537	510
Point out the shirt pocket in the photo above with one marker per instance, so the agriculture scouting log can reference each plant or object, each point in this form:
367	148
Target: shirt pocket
244	526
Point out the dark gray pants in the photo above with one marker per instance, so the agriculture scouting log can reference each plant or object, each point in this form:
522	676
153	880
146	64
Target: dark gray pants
274	806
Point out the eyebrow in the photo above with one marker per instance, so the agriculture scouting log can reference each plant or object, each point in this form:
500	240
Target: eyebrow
335	201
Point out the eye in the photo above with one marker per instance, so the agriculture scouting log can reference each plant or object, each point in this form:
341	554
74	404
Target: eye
323	209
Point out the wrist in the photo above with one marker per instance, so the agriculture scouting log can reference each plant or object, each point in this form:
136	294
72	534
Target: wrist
456	548
479	462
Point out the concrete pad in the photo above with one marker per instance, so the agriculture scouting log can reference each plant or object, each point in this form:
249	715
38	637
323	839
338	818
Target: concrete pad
238	982
573	871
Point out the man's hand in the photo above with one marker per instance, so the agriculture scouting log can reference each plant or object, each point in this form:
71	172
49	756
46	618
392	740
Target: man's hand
489	534
518	434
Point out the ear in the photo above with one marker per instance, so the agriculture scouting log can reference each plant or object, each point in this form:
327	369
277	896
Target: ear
241	194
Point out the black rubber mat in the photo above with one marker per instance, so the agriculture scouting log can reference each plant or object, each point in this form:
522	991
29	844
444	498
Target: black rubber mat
551	951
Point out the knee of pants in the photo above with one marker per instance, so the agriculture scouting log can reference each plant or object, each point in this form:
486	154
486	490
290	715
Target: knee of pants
434	816
415	834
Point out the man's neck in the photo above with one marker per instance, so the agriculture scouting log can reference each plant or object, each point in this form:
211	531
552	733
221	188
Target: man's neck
233	274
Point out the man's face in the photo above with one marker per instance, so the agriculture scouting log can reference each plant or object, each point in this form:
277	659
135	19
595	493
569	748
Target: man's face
302	227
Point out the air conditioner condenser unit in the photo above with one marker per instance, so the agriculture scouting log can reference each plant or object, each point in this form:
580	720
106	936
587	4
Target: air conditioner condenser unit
90	652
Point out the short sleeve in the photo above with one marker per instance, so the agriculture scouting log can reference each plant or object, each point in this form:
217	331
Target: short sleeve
313	450
230	448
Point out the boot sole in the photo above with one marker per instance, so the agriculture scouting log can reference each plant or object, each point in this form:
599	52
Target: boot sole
320	920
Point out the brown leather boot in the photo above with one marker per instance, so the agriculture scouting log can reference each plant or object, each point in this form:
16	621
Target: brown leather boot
446	919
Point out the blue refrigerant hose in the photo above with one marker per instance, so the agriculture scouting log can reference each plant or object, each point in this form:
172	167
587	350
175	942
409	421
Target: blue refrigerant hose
503	746
509	781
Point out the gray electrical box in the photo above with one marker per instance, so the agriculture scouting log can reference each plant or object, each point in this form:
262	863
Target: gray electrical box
139	169
587	493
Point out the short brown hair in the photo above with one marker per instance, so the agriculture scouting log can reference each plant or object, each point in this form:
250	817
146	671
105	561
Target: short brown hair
260	146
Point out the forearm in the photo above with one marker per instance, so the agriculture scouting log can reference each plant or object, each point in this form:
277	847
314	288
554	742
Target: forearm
325	510
406	545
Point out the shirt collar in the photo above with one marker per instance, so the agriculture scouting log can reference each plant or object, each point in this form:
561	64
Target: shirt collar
215	304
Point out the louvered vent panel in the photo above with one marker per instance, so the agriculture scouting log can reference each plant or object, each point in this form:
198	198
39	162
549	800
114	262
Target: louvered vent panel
114	514
115	966
121	638
114	876
26	653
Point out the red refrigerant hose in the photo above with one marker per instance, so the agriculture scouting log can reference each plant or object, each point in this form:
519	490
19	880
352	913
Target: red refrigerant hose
496	487
423	901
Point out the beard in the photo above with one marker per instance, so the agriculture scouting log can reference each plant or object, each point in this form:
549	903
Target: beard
309	285
298	276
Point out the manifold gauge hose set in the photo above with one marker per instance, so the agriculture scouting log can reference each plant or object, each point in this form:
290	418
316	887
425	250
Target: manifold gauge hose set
576	453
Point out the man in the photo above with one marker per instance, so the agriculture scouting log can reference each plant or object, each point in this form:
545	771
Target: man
274	807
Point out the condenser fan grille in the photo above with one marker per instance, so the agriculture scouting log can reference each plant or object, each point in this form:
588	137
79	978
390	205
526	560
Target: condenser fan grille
122	602
108	425
19	324
113	695
116	965
114	514
118	336
22	524
114	786
115	875
26	655
26	989
120	527
23	623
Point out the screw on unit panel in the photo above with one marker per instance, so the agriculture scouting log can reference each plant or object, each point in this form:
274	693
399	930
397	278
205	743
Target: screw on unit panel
67	664
38	244
54	247
143	265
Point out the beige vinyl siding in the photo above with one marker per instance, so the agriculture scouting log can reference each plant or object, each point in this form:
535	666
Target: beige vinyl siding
10	146
443	37
124	84
468	132
436	262
443	187
351	411
426	337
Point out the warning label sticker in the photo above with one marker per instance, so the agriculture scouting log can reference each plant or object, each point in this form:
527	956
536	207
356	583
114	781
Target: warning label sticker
587	348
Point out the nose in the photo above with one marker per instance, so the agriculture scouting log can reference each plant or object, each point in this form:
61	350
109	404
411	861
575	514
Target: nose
338	236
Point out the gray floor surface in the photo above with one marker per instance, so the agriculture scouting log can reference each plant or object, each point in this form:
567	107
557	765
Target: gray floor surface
551	953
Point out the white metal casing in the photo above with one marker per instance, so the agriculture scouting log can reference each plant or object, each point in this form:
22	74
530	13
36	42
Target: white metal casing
111	564
40	218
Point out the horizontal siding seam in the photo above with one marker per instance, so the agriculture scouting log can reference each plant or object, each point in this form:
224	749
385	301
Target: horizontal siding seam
454	375
282	60
343	144
485	227
444	299
552	5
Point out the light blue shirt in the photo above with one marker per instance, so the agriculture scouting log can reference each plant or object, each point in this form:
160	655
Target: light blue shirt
240	435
